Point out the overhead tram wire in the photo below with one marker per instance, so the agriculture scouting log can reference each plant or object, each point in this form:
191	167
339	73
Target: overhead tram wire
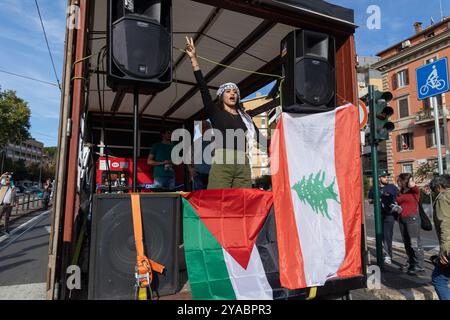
28	78
48	46
280	78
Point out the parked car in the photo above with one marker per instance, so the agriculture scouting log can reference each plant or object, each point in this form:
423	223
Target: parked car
35	190
20	190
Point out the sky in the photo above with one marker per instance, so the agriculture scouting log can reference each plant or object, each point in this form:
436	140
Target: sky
23	49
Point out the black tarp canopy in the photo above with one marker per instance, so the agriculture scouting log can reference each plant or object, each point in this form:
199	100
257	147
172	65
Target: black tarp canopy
318	7
242	34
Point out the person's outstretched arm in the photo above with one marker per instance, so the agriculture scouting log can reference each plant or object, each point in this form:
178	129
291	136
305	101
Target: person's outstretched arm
206	96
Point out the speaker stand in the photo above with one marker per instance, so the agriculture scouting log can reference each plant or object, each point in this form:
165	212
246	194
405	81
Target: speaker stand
135	137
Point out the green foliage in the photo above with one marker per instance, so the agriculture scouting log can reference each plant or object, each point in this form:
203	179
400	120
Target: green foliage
51	151
24	171
426	171
14	118
312	190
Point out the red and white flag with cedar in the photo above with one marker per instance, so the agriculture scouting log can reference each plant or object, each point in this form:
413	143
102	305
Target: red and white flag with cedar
316	180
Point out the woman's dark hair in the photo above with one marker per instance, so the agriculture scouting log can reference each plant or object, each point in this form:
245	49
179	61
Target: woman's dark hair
442	180
404	179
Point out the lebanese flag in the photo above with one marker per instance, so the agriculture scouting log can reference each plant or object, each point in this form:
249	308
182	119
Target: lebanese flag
227	245
316	180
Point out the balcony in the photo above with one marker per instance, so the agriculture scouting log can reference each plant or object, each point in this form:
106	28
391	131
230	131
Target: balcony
425	117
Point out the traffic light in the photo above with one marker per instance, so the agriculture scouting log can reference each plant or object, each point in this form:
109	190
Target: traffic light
380	112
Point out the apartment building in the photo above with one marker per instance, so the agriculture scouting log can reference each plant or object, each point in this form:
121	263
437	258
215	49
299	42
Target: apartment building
367	75
31	151
260	159
413	141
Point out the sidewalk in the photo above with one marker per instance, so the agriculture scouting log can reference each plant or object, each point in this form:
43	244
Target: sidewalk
23	211
396	284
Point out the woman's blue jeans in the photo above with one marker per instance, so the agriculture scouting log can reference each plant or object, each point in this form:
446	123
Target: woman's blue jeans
441	282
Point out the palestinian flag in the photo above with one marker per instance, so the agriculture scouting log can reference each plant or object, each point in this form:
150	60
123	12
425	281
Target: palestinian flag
316	180
230	245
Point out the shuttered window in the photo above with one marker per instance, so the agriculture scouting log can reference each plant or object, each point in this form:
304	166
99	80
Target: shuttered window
403	108
403	78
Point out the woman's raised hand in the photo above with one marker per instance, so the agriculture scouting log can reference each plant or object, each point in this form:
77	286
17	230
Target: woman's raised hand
411	183
190	48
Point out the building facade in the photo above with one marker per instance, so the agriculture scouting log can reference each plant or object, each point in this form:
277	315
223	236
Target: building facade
367	76
31	151
260	159
413	141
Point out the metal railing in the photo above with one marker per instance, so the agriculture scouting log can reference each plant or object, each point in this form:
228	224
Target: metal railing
28	202
427	114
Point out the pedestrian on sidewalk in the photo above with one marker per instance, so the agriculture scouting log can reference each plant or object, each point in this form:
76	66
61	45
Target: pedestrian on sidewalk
441	274
409	222
388	196
7	199
47	191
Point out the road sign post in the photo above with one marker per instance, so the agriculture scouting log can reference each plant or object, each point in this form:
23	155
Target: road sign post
446	141
437	131
432	80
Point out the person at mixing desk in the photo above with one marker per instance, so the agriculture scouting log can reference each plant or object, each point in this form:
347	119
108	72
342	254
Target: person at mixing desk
160	159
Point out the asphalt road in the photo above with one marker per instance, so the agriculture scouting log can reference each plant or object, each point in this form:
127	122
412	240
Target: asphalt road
428	238
24	258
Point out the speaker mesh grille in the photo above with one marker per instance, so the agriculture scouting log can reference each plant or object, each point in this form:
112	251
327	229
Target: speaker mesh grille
314	81
141	48
113	250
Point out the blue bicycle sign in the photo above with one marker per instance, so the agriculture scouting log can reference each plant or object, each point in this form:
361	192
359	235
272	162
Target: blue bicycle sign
432	79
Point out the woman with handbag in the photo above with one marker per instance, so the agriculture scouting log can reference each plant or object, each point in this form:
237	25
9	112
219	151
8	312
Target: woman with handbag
441	274
409	222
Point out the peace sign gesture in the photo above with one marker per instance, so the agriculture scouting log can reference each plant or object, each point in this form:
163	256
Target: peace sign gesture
191	52
190	48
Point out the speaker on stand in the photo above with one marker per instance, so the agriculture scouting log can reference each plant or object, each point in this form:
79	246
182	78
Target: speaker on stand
139	36
139	41
308	64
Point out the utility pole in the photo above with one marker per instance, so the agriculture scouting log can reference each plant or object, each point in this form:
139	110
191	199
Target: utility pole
446	142
376	185
40	174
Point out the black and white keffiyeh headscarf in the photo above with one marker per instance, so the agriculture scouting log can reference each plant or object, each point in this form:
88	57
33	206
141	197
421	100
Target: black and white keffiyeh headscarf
228	86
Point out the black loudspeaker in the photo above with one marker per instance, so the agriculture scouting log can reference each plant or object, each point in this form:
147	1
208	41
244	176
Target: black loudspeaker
308	62
139	36
113	250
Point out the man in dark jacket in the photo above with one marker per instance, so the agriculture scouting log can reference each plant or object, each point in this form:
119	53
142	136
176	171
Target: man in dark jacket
388	194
